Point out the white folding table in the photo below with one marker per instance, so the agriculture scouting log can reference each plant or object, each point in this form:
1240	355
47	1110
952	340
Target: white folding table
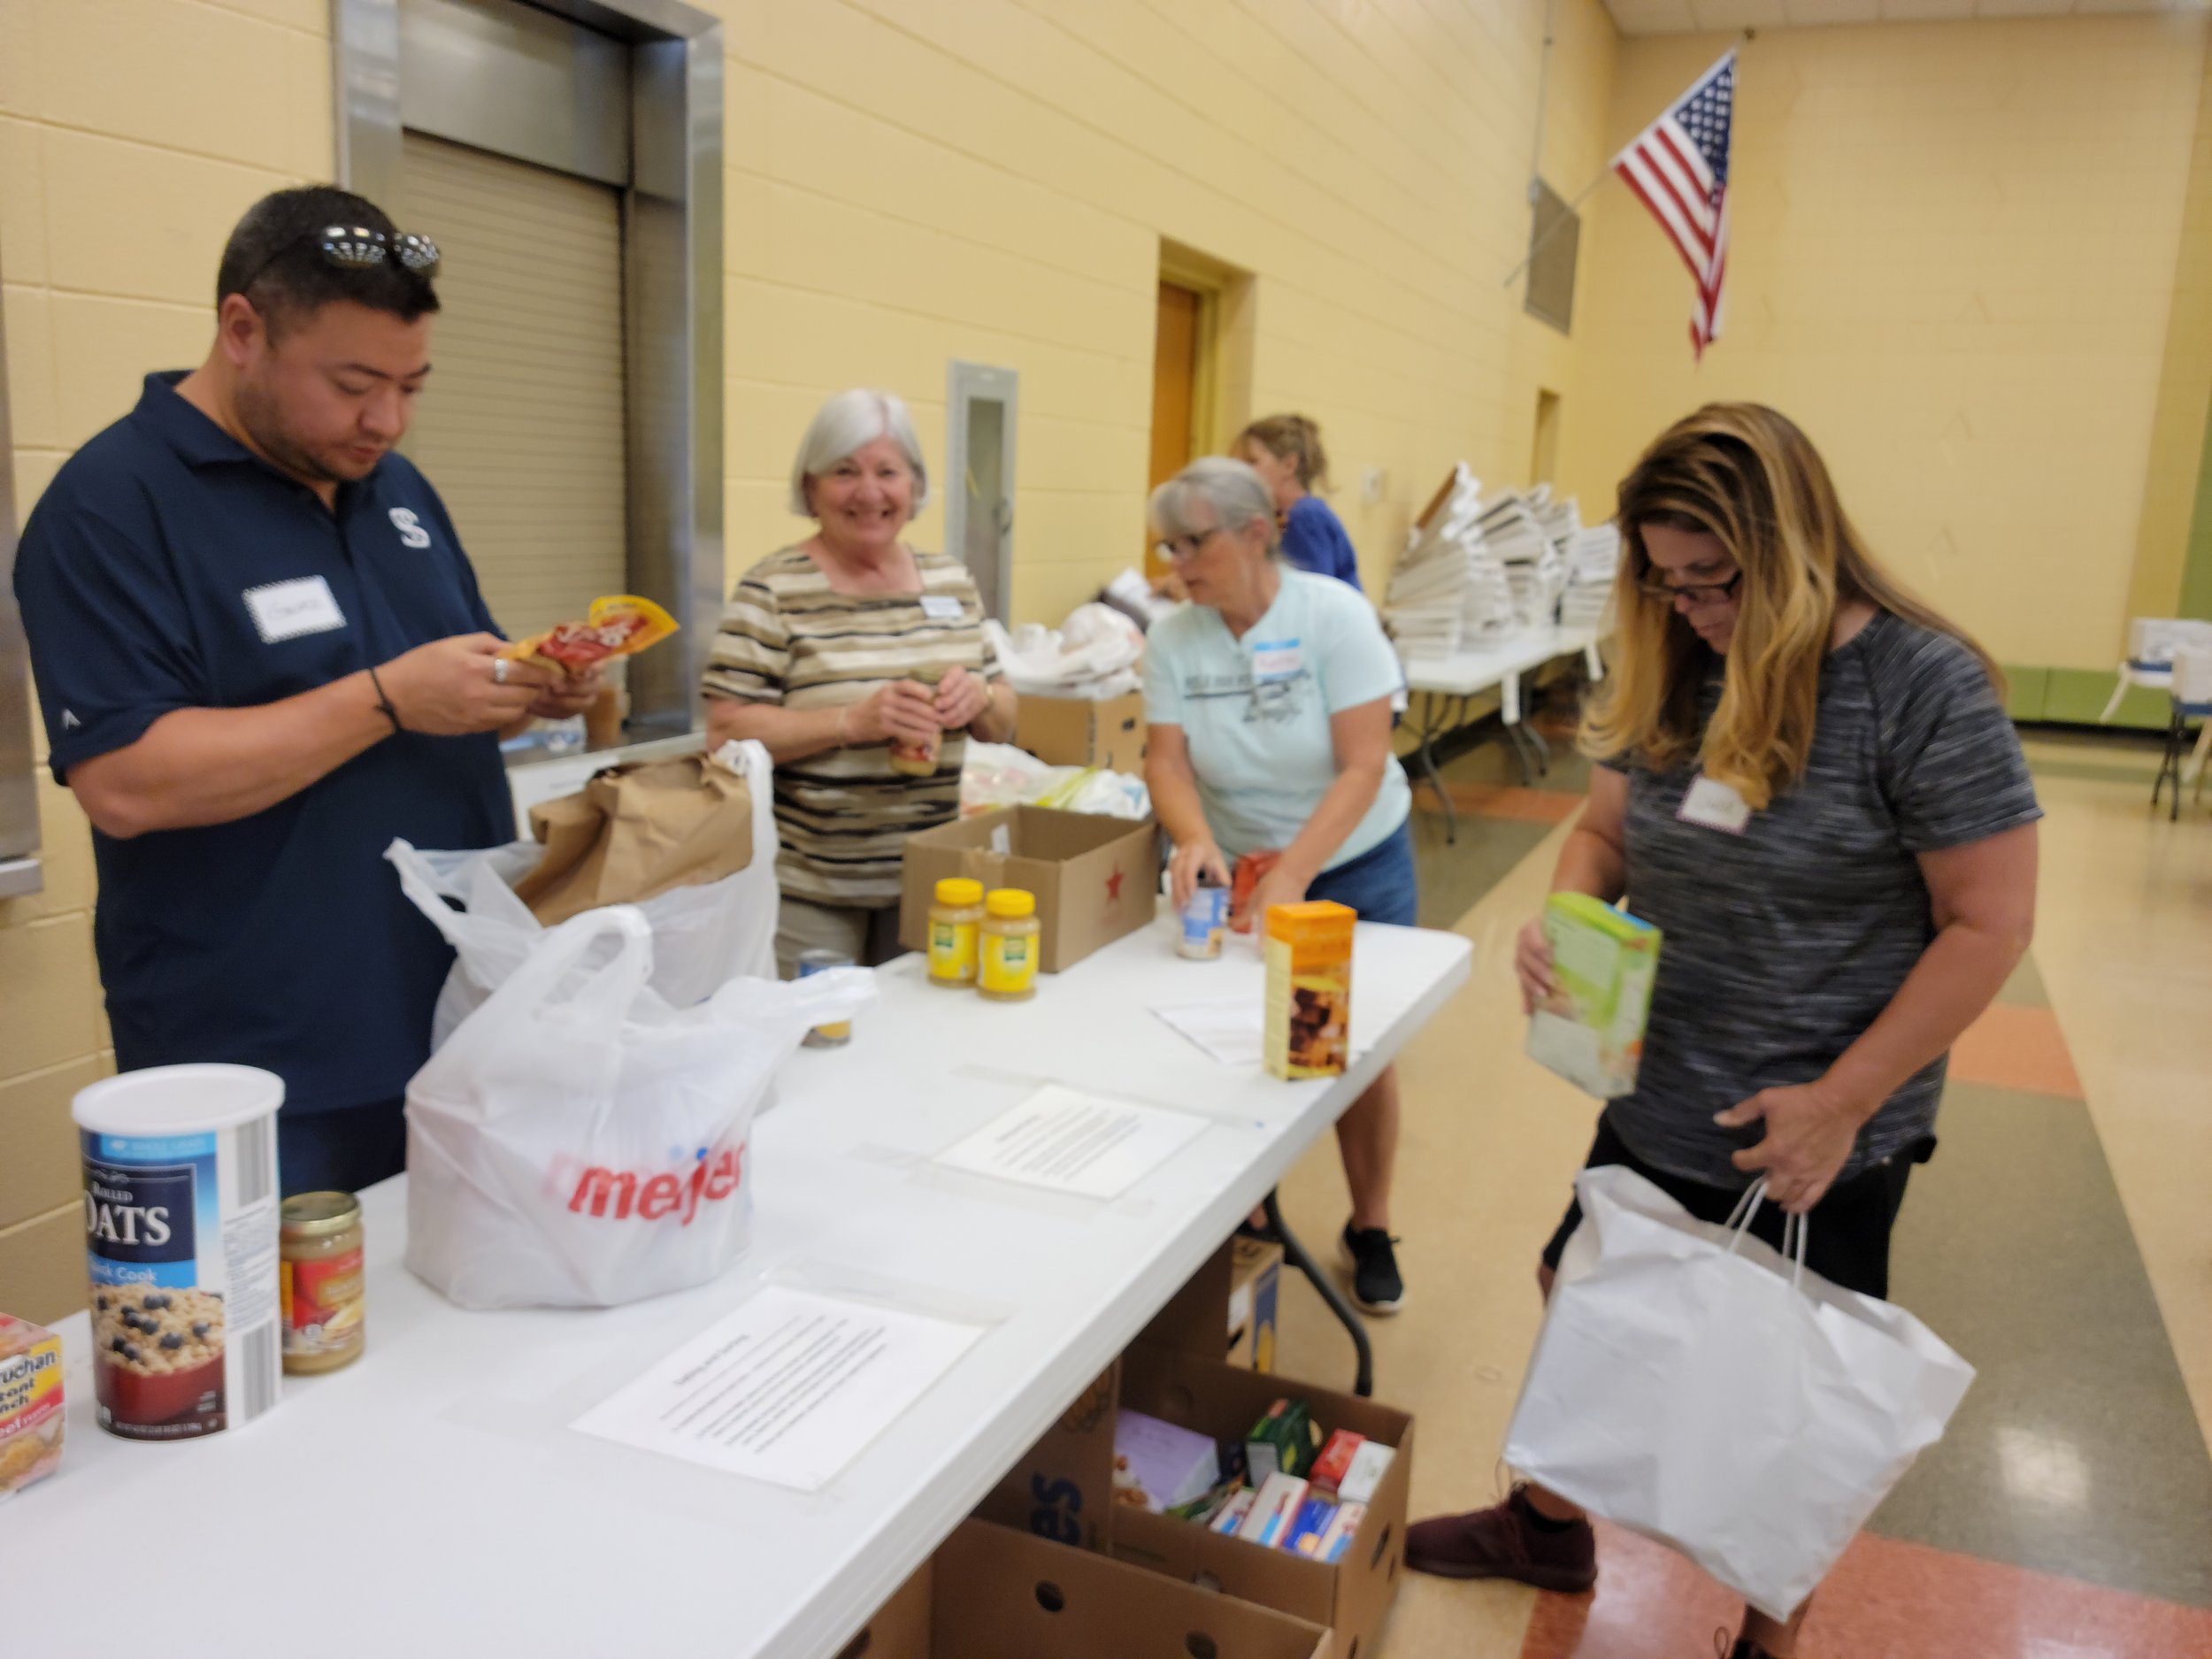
431	1499
1449	680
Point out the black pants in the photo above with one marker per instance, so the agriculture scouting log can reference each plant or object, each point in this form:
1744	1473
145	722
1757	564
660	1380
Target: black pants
1849	1241
340	1151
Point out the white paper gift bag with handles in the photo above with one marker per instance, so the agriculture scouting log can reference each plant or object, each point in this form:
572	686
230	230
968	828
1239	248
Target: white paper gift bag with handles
1693	1385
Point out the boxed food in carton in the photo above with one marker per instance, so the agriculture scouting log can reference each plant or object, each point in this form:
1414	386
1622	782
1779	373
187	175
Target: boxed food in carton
1158	1466
1591	1029
1308	1013
1107	732
1094	878
31	1410
990	1593
1352	1593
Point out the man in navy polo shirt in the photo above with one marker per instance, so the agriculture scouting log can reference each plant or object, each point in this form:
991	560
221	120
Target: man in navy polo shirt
261	655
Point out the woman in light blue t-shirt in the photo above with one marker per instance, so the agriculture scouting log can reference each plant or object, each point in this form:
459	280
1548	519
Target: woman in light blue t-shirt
1269	700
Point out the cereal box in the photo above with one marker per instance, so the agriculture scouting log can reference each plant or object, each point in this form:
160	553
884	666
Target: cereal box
1308	1020
31	1414
1591	1029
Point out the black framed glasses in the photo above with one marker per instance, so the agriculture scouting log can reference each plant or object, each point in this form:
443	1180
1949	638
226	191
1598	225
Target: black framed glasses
1183	549
357	248
1697	593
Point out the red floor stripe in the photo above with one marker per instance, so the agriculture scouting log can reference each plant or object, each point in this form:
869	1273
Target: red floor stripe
1887	1600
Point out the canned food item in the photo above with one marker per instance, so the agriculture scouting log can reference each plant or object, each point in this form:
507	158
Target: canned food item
181	1239
320	1279
838	1032
1205	919
918	759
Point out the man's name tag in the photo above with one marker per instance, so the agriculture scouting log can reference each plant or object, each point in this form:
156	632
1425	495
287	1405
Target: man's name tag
941	607
1278	659
1712	804
287	610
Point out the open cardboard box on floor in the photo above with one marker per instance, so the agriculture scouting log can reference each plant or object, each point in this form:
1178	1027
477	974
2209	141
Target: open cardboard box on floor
1228	1308
991	1594
1084	732
1095	878
1352	1596
1064	1488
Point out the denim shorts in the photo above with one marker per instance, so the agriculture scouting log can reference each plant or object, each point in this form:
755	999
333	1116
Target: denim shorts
1378	884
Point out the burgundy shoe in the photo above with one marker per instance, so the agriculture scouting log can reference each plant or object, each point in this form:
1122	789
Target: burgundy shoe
1503	1541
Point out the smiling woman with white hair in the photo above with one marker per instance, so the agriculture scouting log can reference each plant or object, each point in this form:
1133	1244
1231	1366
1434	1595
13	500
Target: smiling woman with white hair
1268	699
862	665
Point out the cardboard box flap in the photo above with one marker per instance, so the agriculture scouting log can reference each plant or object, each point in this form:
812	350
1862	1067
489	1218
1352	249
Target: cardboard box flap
991	1594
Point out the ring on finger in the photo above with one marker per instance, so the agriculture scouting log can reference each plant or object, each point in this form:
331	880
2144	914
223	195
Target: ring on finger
499	671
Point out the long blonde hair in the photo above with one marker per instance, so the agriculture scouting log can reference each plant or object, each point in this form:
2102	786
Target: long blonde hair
1745	474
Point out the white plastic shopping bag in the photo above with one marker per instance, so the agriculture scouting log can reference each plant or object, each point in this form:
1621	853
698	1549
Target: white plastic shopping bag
578	1143
1693	1386
703	936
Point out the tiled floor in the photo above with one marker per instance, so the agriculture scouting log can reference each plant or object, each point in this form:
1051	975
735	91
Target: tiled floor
2062	1240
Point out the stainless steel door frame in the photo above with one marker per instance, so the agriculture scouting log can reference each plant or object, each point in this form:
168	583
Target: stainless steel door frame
672	282
987	548
19	869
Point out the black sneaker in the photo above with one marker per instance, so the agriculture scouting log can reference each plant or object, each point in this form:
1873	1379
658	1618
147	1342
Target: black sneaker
1376	1283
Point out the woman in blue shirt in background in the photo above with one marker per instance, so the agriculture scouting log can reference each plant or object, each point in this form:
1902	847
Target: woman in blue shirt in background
1285	452
1268	700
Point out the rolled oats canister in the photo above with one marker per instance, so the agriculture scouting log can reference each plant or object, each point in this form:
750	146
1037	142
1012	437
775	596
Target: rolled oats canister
181	1242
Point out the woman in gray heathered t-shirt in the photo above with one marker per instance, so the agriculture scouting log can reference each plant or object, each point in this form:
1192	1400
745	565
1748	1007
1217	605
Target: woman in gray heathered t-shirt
1808	781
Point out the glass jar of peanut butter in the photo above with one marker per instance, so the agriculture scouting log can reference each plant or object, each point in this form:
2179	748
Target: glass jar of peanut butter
318	1252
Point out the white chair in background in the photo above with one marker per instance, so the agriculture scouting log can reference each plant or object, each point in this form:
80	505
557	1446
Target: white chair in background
2151	642
2191	687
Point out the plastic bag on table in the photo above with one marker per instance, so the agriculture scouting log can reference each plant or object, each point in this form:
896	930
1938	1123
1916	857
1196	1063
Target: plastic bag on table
1093	654
578	1143
1691	1384
703	936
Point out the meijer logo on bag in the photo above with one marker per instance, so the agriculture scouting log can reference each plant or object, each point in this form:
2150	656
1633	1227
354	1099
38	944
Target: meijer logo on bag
619	1194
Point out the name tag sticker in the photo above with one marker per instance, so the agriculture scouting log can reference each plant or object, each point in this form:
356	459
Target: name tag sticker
1712	804
288	611
941	607
1277	659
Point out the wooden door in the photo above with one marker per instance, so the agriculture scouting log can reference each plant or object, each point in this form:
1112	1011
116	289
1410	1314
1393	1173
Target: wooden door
1174	385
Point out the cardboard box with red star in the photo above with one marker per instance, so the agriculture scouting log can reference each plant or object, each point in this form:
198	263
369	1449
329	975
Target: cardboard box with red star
1094	878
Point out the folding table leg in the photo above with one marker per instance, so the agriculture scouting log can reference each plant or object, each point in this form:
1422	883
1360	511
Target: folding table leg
1427	754
1347	1315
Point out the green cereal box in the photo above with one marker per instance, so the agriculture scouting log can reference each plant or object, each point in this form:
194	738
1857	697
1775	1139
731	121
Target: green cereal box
1591	1029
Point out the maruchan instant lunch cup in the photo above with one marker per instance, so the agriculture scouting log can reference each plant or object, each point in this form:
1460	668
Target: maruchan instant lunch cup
180	1240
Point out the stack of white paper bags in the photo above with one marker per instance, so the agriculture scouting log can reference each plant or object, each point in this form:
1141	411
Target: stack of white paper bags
1534	571
1593	562
1447	589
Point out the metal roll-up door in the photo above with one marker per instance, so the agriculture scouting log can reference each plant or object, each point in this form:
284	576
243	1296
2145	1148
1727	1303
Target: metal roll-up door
520	428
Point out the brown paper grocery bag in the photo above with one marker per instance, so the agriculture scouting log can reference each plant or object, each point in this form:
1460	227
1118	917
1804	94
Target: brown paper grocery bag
637	831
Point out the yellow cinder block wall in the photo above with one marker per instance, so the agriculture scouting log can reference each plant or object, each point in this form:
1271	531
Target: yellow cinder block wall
908	183
991	179
120	173
1955	250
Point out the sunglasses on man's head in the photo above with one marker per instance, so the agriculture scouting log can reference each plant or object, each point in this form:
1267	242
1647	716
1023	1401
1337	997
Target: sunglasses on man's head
357	248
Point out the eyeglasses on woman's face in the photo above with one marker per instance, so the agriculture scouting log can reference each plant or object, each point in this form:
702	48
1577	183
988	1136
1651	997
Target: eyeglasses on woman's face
1652	586
1183	549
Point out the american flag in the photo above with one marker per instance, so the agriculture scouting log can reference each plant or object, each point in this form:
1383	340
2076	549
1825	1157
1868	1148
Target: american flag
1679	167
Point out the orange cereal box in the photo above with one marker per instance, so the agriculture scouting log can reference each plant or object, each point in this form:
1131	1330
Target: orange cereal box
30	1404
1308	1014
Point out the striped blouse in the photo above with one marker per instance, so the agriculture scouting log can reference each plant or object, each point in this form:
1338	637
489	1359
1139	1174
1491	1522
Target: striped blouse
789	639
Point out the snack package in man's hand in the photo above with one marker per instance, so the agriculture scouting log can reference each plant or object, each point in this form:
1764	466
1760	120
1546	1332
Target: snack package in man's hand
620	625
